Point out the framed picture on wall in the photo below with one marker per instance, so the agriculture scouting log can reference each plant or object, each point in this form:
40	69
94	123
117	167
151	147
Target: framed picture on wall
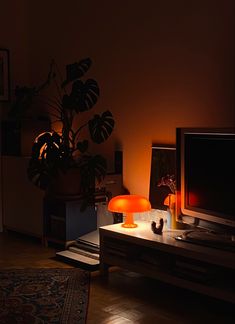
4	75
163	174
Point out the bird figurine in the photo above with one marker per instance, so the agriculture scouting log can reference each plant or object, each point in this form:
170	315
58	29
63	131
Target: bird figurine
157	229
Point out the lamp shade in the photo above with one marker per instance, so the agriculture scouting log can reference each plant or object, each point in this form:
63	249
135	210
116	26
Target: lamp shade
129	204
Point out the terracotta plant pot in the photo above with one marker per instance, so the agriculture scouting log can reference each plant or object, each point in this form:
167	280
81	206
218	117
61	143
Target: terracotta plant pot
67	185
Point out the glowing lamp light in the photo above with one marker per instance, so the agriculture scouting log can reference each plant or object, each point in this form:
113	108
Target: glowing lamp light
169	200
129	204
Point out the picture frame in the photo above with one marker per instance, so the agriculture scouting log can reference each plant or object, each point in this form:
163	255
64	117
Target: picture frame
4	75
163	174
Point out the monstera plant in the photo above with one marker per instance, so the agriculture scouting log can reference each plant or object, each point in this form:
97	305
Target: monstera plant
55	153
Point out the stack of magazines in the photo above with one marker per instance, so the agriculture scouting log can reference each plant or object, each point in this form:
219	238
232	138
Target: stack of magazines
84	251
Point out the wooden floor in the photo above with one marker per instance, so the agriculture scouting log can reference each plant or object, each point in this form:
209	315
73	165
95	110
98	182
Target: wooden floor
124	297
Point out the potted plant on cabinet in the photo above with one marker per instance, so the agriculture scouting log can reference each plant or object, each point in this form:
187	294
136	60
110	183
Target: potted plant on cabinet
58	155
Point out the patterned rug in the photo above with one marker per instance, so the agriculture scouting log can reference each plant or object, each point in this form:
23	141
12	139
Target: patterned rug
40	296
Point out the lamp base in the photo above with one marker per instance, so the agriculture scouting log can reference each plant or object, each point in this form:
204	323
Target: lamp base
129	221
129	225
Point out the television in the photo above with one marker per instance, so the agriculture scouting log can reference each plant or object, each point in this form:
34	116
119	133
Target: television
205	170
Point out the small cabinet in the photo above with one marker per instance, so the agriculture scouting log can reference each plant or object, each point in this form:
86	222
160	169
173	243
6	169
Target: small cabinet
22	201
64	221
199	268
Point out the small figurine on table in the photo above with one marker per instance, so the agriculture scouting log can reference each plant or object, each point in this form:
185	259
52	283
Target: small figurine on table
157	229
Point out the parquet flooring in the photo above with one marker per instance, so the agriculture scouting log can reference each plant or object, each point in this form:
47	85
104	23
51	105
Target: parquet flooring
123	297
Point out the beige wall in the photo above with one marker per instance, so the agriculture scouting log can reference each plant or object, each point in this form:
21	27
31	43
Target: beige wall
14	35
160	65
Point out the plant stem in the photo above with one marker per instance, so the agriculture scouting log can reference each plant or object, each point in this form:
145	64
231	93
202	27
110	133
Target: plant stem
58	70
56	116
79	129
49	77
58	89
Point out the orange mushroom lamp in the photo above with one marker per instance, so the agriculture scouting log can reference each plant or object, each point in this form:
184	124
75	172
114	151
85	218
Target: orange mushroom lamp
129	204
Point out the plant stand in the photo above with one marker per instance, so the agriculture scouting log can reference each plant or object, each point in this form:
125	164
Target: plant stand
63	220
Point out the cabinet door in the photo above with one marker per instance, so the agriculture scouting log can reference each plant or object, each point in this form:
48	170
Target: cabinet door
22	201
64	220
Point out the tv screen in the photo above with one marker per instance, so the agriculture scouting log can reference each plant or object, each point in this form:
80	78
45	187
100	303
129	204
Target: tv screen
207	168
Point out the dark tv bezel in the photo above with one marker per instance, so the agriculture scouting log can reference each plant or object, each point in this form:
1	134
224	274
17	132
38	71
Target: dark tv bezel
186	214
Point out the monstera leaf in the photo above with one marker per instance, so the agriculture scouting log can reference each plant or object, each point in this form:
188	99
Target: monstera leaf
84	95
45	158
101	127
82	146
76	70
92	167
39	174
47	146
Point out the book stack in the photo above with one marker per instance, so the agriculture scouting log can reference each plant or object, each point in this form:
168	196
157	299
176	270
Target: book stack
84	251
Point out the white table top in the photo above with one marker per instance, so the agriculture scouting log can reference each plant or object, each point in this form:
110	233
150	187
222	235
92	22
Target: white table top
167	242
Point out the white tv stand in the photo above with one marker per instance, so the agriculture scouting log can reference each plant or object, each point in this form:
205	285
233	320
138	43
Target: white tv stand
199	268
